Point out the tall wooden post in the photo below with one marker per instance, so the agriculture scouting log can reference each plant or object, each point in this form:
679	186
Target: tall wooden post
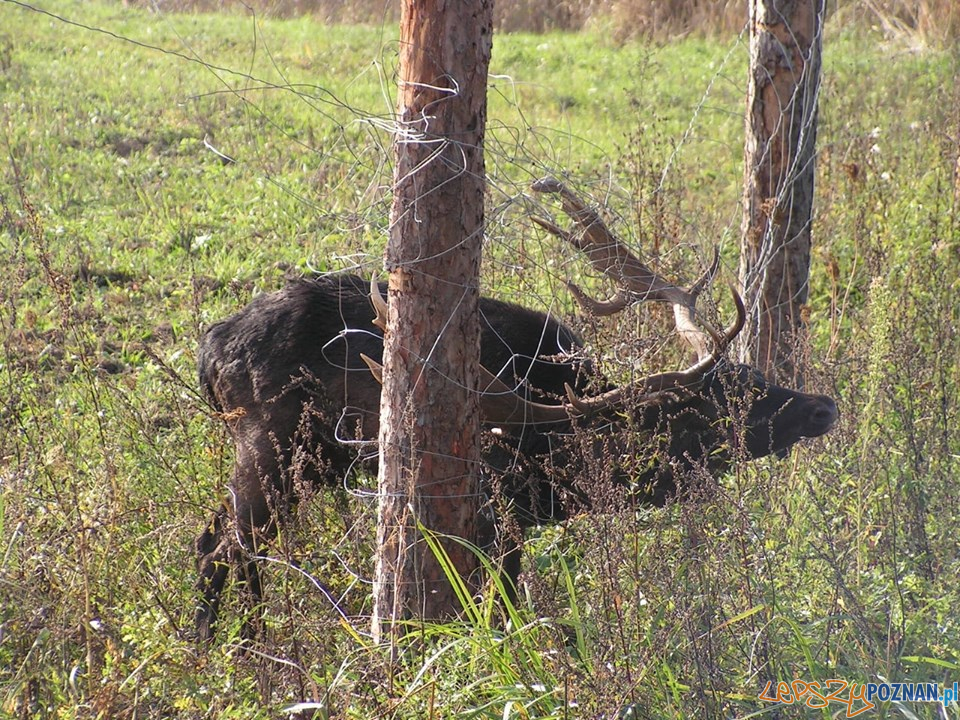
429	429
784	82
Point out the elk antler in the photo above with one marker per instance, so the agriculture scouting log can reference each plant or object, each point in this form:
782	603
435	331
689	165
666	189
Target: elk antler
500	404
636	282
650	389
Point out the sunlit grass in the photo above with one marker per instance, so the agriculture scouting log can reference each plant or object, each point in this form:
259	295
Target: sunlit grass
158	175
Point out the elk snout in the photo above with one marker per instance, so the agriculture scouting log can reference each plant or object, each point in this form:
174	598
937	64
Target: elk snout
823	414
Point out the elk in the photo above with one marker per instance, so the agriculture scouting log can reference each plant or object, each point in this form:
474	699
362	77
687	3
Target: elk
294	373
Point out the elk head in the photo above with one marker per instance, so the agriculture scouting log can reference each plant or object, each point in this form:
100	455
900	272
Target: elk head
770	418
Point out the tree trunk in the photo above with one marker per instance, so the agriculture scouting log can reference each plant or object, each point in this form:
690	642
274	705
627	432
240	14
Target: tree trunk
785	50
429	412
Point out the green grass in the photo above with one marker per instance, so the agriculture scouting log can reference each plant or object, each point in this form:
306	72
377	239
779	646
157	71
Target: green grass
123	235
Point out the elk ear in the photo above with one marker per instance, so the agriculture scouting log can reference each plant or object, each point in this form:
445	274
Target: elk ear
376	369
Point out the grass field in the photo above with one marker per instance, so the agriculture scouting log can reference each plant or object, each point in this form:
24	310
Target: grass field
159	170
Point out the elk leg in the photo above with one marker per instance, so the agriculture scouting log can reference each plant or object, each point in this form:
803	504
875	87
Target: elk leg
230	540
218	552
213	564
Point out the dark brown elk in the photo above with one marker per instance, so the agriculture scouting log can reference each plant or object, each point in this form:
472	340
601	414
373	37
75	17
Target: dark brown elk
289	375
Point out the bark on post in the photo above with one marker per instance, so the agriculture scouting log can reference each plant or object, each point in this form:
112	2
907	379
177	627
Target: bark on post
429	452
781	125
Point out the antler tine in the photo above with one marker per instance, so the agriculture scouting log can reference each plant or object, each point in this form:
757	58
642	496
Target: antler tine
737	325
634	279
606	252
376	369
379	305
651	388
599	308
704	280
499	403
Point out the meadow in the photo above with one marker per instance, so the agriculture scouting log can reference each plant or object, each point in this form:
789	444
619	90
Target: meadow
159	170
